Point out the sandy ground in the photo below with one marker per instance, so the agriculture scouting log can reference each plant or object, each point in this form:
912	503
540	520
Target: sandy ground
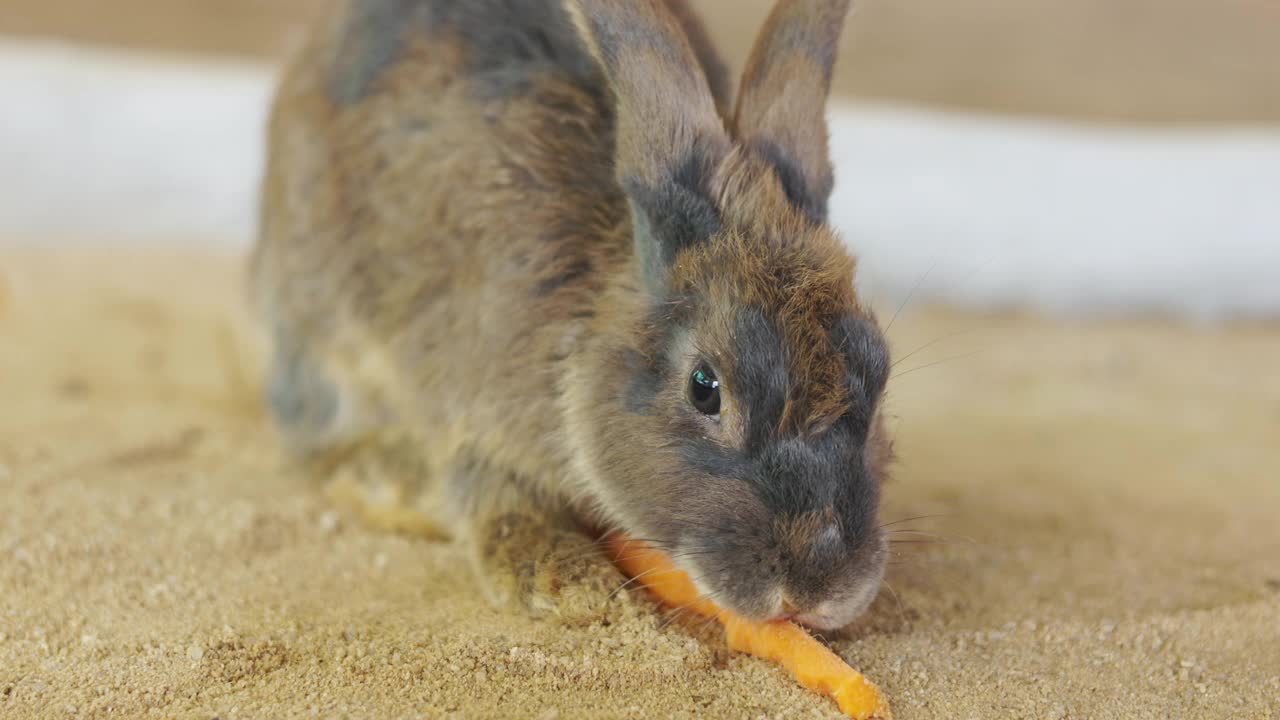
1146	60
1107	497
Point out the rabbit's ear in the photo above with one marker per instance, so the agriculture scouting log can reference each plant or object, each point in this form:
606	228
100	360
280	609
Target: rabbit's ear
670	138
781	111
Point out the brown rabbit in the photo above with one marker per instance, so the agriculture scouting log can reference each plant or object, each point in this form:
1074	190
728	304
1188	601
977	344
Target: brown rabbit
537	238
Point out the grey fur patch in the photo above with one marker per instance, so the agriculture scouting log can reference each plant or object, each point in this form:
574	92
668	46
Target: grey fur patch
503	41
303	400
372	39
811	192
643	382
868	366
674	214
762	378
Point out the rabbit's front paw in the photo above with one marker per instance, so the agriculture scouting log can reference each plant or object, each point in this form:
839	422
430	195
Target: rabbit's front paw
528	564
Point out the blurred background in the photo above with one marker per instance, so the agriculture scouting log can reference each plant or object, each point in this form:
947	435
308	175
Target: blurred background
1094	155
1164	61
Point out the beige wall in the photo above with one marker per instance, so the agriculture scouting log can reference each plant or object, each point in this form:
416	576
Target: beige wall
1161	60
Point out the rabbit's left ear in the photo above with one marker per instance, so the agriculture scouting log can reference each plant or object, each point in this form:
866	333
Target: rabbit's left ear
670	136
781	110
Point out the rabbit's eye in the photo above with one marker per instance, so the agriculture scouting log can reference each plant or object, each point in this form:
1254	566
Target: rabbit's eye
704	391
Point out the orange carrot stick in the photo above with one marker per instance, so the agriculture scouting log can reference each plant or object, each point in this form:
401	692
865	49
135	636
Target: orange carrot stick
809	661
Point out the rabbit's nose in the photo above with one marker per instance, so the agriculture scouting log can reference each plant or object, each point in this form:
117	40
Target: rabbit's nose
819	546
827	540
811	535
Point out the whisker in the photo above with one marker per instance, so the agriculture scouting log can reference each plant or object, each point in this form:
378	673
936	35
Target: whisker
598	546
917	517
711	619
946	539
933	342
649	572
628	582
910	295
673	614
902	610
964	282
921	533
937	362
709	597
671	554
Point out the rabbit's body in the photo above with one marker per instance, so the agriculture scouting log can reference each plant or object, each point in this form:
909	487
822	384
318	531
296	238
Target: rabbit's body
425	208
454	242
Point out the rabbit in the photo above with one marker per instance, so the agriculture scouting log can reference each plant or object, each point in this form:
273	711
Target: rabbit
593	291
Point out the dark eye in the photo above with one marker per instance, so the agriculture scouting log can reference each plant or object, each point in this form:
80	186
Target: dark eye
704	391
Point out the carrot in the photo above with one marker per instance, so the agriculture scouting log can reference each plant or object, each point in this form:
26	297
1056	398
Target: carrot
809	661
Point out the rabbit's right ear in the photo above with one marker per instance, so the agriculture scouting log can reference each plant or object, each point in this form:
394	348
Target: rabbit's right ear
781	108
670	138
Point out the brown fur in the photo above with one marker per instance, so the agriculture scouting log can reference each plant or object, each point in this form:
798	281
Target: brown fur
519	261
790	264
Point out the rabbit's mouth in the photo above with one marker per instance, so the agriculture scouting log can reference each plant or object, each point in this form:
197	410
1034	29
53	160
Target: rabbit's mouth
852	597
835	614
754	592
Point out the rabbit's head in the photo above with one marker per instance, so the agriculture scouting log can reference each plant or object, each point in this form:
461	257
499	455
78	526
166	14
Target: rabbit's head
729	412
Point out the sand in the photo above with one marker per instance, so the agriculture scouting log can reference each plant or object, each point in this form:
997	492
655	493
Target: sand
1107	497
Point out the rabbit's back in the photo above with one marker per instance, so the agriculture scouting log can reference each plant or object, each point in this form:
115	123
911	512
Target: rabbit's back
409	155
439	204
